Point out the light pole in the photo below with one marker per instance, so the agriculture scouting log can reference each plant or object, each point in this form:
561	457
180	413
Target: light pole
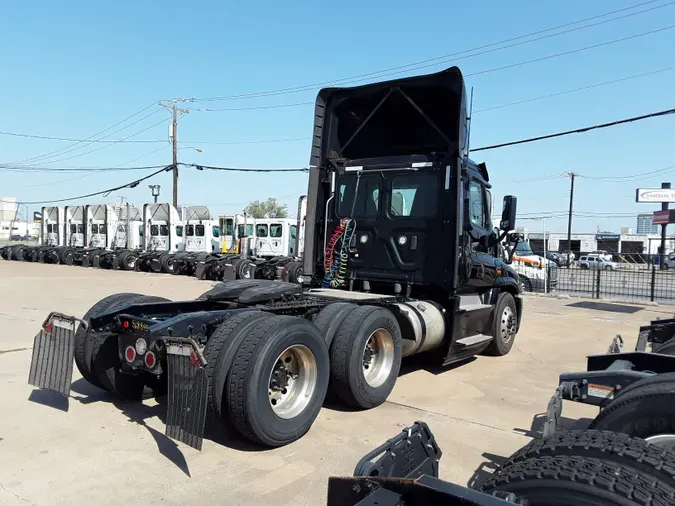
154	188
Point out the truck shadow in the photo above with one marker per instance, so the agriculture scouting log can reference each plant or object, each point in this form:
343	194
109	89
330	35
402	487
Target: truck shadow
139	412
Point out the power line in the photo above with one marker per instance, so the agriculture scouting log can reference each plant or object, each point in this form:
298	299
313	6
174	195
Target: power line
68	149
120	167
436	60
252	108
571	51
261	141
239	169
478	111
583	88
108	145
620	179
23	168
579	130
131	184
50	138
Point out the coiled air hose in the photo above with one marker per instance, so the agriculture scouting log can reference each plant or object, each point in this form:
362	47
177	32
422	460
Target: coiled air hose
335	267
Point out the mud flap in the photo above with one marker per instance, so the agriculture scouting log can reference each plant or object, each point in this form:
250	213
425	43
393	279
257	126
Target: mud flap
188	392
200	271
51	366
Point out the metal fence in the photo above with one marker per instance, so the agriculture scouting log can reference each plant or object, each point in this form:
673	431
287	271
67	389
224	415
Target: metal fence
636	281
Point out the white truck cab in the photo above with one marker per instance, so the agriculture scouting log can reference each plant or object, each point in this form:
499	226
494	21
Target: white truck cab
75	226
536	273
162	228
273	236
52	226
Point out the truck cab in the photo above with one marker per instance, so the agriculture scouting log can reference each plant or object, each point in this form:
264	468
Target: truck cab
536	273
391	172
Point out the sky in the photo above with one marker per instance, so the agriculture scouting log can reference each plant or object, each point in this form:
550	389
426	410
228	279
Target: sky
73	69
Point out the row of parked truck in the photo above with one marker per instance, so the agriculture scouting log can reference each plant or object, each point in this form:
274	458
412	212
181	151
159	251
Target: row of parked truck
161	238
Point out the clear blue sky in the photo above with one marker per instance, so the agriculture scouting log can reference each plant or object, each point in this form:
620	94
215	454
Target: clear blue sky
71	69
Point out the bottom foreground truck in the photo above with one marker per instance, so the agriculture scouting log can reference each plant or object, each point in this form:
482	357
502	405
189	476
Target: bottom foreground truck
400	258
579	467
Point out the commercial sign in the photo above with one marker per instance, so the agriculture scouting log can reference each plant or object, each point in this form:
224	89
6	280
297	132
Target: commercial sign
663	217
607	237
656	195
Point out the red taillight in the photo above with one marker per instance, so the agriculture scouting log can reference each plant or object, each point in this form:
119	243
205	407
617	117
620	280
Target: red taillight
130	354
125	325
150	360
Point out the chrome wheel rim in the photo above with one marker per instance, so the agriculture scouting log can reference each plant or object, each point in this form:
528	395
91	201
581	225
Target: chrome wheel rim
292	381
378	358
507	324
664	441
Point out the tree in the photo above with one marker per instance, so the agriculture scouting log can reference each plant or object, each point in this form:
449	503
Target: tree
269	208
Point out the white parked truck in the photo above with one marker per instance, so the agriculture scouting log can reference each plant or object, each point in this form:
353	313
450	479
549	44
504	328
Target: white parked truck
536	273
382	279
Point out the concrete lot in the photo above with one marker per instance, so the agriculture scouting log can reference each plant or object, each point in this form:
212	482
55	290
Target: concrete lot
106	452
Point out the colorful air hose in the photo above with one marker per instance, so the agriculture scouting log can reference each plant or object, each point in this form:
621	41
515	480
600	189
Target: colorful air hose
335	266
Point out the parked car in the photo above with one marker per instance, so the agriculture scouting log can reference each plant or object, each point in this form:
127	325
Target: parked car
555	257
597	262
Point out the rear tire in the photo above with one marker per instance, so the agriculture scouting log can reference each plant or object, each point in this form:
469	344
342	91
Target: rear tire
102	306
667	348
526	284
330	318
106	362
646	412
366	357
285	417
576	481
167	263
611	447
219	352
504	325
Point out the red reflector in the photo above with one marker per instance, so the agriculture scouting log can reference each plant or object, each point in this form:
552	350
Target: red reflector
130	354
125	325
49	327
150	360
193	357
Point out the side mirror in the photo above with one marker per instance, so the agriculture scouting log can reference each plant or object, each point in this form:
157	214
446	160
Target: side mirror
508	221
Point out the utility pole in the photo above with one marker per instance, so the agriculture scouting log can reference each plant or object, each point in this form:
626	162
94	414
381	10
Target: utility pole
174	142
569	217
173	133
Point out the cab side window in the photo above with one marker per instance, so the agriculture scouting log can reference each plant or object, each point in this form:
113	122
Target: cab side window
476	205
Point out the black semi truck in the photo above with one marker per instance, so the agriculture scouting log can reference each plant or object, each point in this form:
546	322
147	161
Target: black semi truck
400	258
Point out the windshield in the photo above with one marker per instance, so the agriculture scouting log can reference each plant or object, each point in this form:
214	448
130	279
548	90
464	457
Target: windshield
523	248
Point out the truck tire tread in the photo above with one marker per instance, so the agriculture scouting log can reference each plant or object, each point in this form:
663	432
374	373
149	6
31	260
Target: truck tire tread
607	446
218	341
348	388
572	479
252	416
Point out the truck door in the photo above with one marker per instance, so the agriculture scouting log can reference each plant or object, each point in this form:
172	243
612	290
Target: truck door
481	268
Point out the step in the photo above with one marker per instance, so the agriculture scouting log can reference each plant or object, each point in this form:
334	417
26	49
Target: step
474	307
473	340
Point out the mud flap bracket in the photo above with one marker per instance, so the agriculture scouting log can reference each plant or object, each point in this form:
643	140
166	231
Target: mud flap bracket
51	366
188	392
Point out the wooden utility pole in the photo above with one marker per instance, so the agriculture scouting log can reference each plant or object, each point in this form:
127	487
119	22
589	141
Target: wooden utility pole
174	142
